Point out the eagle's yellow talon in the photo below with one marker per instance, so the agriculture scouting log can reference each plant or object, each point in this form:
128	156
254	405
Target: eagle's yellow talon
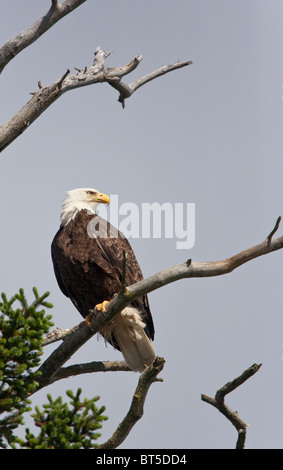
88	317
102	306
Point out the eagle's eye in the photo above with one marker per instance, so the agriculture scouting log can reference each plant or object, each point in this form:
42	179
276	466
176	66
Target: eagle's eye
90	193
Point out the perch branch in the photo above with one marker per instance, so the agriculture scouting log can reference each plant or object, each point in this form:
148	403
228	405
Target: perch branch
46	96
232	416
148	377
172	274
31	34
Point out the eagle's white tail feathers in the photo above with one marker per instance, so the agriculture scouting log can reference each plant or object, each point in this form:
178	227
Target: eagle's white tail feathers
128	329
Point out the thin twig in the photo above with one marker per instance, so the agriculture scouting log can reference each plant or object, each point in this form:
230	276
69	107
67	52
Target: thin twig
116	72
231	386
63	78
158	73
276	226
232	416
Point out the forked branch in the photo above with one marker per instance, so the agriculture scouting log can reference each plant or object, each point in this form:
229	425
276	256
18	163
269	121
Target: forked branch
219	403
127	90
97	73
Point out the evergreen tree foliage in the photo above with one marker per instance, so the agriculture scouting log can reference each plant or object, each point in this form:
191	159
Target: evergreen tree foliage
22	327
62	427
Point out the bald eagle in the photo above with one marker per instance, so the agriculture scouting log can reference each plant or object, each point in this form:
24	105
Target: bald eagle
87	254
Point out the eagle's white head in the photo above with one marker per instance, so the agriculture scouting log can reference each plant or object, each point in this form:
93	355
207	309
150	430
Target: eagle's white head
78	199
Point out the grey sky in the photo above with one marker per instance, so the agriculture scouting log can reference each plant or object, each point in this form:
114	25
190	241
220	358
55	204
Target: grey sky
210	134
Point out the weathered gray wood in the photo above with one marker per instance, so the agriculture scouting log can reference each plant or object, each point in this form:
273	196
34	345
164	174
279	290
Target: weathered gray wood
97	73
24	39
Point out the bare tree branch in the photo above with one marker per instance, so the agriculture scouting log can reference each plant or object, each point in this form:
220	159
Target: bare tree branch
232	416
31	34
45	96
90	368
127	90
57	335
158	73
148	377
188	269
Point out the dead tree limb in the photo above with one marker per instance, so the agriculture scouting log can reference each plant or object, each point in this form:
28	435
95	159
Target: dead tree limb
97	73
32	33
127	90
148	377
90	368
58	334
219	403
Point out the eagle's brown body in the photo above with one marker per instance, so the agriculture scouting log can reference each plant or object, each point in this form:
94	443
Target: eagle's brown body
89	270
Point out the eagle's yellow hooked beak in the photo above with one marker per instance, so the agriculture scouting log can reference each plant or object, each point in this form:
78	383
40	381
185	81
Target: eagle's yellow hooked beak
102	198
